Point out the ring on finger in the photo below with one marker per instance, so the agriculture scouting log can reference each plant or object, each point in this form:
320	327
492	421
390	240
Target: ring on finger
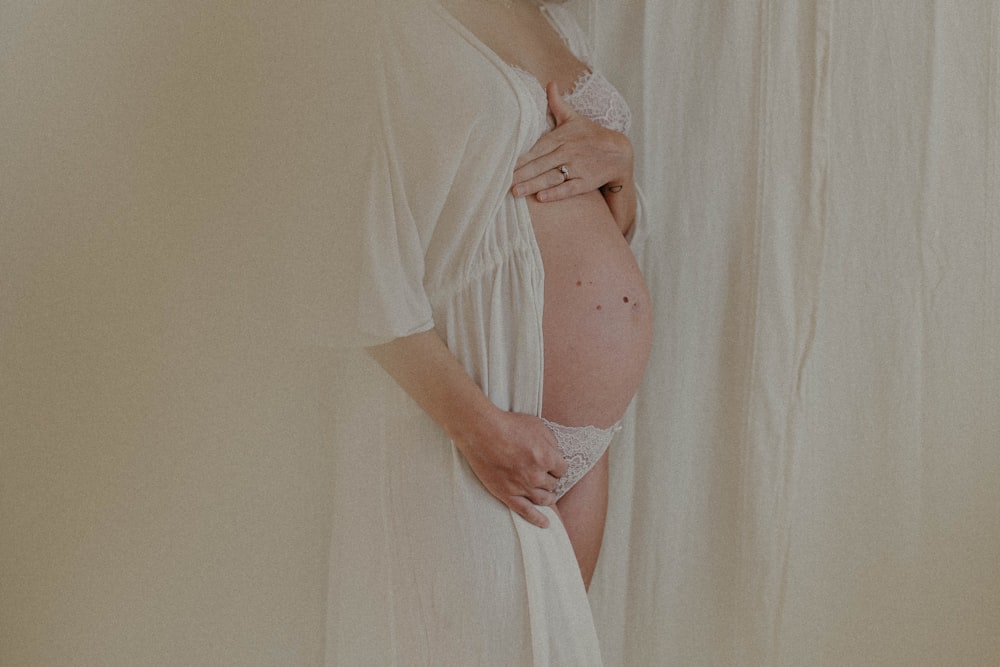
564	170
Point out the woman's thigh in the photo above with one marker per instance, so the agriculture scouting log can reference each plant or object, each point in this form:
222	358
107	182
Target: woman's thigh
583	510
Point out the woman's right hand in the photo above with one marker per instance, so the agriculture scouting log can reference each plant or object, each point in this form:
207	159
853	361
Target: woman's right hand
517	459
514	455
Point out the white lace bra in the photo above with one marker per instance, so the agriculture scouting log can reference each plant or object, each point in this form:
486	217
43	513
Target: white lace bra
592	96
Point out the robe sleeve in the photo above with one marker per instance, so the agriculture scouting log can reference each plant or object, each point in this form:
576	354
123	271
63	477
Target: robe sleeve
408	177
391	299
352	276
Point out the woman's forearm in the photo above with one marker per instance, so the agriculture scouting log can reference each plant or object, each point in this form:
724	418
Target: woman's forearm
426	370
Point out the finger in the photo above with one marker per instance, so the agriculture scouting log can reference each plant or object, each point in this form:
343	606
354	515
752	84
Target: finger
540	496
565	190
549	142
553	482
542	165
559	467
545	481
548	179
560	108
545	145
528	512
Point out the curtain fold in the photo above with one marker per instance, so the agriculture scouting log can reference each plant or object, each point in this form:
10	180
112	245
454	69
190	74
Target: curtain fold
816	447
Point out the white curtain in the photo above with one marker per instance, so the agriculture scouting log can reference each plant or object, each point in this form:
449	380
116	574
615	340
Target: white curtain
812	469
817	446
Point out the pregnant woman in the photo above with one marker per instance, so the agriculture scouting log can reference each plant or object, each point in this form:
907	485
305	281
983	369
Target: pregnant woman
500	293
596	318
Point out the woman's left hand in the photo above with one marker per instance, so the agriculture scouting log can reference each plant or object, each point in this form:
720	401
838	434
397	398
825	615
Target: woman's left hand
594	156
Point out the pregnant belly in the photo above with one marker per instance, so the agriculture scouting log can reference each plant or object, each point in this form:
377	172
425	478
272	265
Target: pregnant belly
597	322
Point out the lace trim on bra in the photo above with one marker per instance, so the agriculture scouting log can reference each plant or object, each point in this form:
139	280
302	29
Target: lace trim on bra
592	96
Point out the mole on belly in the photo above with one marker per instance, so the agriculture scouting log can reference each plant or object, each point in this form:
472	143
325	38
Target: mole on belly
599	307
625	299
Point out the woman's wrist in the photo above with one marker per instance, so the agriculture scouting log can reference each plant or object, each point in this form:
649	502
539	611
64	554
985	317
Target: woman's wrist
621	198
473	423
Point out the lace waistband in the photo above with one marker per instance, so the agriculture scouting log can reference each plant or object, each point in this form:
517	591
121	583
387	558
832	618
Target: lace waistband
582	447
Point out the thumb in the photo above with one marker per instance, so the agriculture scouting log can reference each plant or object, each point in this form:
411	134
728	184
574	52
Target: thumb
561	110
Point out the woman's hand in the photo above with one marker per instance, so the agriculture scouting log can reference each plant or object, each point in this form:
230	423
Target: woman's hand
595	157
515	456
517	459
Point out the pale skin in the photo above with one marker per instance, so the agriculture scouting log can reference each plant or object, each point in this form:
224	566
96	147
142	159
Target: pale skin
515	455
601	159
595	153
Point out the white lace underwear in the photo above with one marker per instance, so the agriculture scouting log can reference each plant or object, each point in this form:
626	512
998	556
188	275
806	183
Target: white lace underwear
581	446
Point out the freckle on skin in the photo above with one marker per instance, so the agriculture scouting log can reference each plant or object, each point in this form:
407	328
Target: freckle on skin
598	306
578	283
625	299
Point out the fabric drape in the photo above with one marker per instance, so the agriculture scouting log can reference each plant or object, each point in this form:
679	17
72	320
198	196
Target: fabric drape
817	445
445	573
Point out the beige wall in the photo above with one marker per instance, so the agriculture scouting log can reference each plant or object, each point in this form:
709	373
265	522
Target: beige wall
165	482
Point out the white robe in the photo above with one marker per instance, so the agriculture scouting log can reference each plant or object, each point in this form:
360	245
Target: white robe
428	567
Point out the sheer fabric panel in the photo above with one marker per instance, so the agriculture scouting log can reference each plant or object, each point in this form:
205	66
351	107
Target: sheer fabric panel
813	480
